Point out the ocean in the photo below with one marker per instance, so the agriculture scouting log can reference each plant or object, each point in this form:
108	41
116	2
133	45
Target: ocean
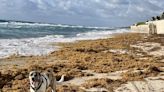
27	39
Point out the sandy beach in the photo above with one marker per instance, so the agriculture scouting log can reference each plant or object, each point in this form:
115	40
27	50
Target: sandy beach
127	62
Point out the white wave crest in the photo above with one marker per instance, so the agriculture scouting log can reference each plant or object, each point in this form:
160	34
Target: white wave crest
20	24
97	34
43	45
27	47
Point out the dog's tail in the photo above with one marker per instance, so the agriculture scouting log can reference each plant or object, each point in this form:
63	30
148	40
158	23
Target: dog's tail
61	79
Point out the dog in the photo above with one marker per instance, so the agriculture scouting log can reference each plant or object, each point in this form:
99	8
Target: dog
39	82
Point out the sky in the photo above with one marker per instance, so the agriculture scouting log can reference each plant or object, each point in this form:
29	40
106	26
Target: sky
109	13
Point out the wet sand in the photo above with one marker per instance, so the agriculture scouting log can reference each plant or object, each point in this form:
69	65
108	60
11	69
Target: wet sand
93	65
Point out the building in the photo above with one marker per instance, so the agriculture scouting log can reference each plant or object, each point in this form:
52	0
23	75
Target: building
150	27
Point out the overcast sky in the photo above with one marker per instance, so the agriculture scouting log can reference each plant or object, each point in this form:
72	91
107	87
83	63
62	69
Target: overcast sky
81	12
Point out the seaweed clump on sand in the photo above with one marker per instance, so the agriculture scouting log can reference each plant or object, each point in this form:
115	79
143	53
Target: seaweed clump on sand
69	88
96	55
141	74
106	83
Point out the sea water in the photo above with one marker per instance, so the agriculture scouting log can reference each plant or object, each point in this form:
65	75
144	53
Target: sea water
27	39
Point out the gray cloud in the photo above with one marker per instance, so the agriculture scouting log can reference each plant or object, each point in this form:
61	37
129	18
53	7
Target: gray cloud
82	12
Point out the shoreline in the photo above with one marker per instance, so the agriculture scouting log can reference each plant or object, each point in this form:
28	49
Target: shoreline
42	45
102	56
57	46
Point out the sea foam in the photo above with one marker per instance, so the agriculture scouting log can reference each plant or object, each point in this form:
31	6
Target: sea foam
43	45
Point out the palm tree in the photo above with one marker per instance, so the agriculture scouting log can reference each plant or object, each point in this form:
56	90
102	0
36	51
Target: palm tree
153	18
158	17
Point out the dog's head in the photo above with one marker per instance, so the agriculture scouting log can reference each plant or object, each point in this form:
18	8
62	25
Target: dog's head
35	78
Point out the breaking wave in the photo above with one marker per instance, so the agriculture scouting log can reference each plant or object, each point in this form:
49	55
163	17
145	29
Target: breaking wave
18	39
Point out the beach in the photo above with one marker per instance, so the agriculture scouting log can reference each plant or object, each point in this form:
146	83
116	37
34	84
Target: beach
82	46
124	62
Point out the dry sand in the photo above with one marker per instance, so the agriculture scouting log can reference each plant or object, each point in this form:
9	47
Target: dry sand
150	84
124	63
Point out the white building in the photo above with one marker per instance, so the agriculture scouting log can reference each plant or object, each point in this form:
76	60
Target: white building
151	27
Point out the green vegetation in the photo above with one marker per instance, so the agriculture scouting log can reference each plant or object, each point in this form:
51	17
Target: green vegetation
140	23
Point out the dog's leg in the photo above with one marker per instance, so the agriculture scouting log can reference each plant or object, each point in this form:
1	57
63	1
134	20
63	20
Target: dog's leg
53	88
53	85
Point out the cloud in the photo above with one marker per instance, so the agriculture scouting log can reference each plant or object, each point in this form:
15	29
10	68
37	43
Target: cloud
82	12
